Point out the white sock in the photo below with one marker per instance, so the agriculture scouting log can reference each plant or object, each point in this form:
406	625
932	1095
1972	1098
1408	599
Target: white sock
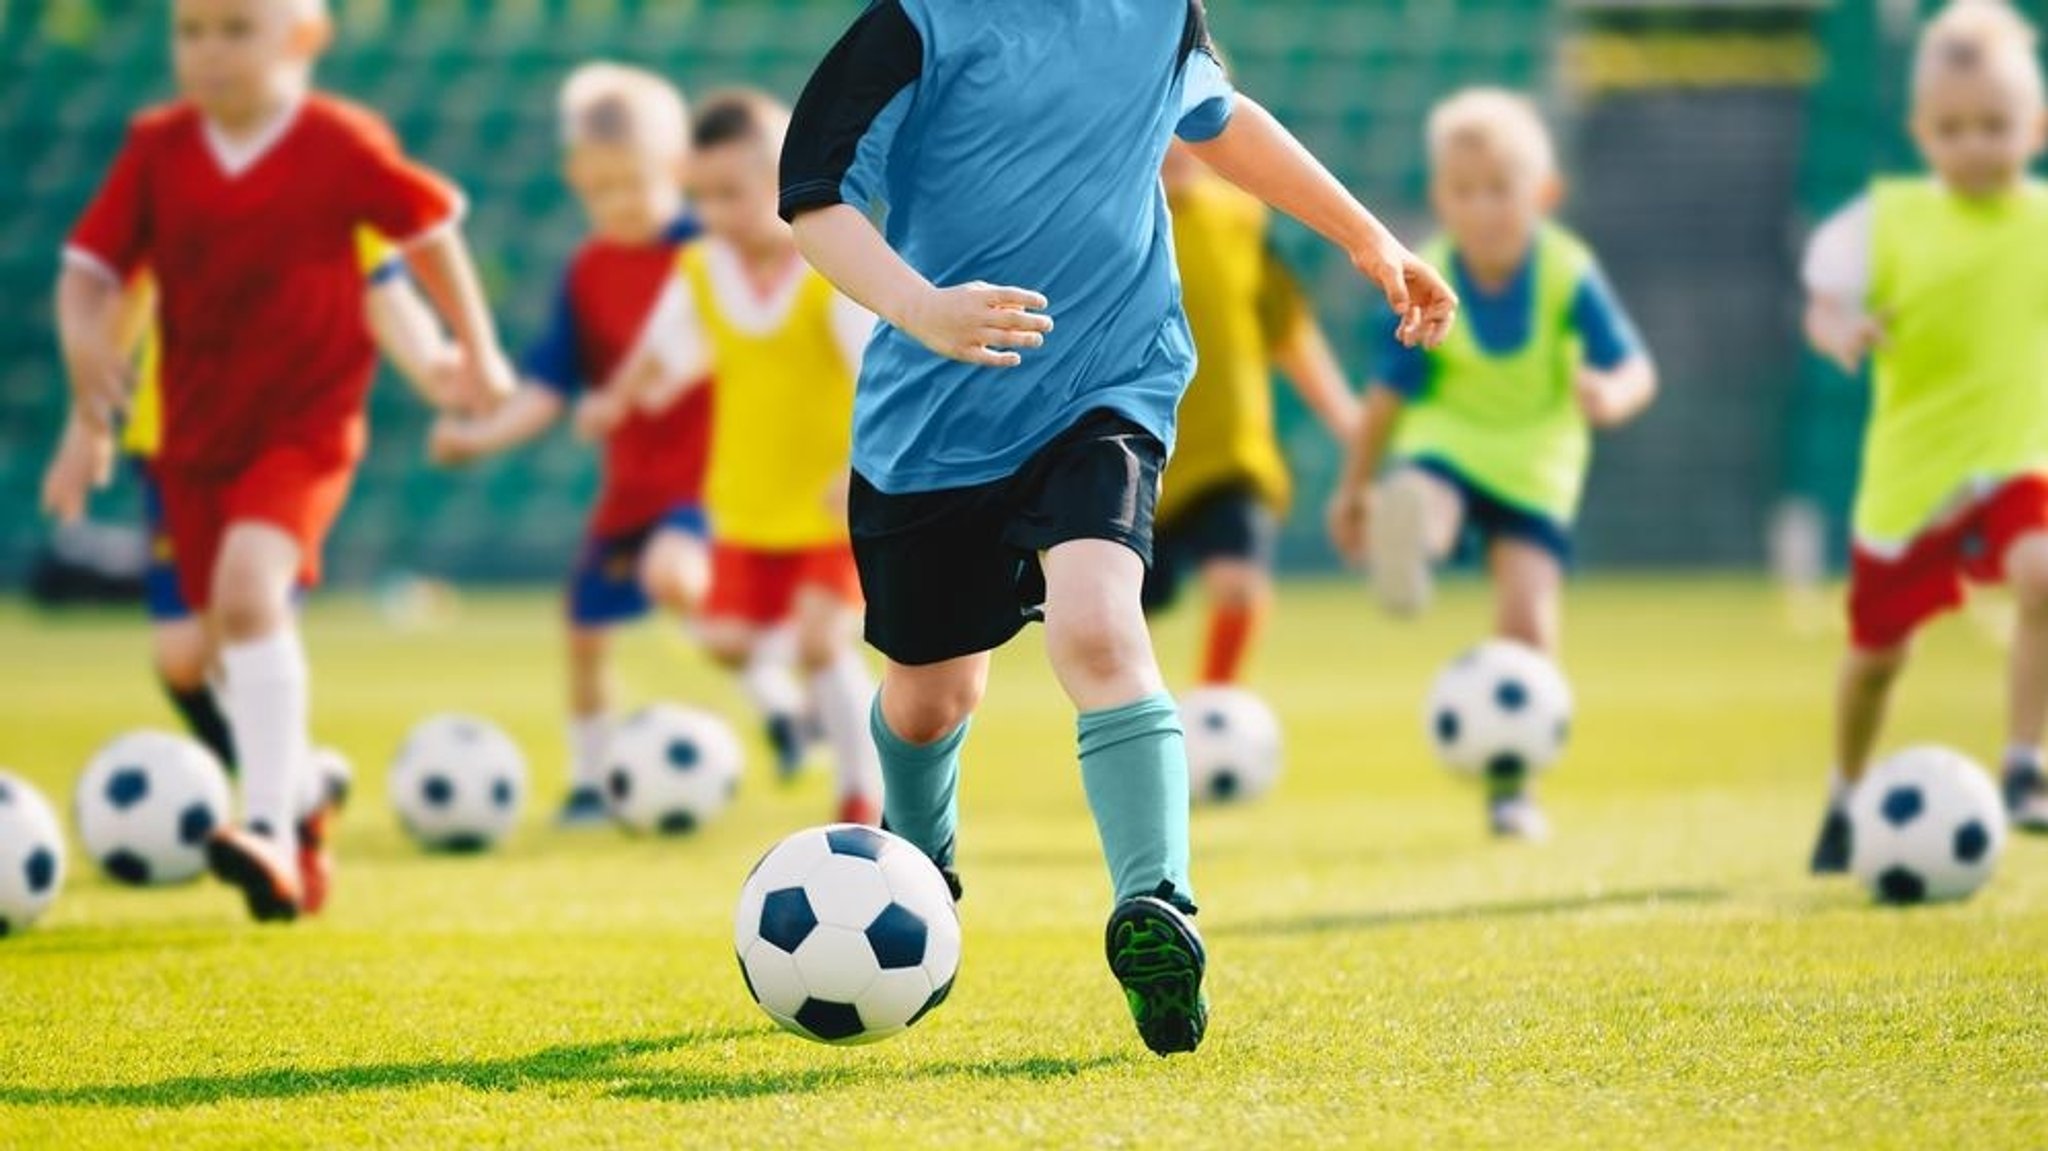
843	693
2023	755
588	736
769	679
267	710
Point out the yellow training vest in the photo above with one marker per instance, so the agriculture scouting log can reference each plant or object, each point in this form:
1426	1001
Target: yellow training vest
782	422
1961	382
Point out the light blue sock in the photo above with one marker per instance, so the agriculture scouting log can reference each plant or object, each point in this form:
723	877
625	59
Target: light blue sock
1134	767
920	785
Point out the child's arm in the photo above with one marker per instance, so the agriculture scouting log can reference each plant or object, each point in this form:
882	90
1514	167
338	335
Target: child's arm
1617	380
83	461
1837	277
521	418
1351	506
1613	397
412	339
1304	356
670	359
88	310
1255	152
442	264
974	323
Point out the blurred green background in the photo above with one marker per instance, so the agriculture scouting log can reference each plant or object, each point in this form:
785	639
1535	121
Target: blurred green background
1701	140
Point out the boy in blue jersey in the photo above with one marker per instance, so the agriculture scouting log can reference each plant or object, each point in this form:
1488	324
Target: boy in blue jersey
1006	468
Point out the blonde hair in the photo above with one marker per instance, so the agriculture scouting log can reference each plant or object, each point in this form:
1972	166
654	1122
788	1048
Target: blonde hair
606	103
1505	124
1973	35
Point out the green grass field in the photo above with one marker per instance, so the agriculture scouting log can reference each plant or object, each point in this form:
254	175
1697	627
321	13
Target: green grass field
1661	975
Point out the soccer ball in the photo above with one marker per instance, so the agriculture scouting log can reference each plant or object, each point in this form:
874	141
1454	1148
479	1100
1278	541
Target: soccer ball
671	770
457	783
846	934
1233	742
332	779
1502	711
31	854
146	806
1928	825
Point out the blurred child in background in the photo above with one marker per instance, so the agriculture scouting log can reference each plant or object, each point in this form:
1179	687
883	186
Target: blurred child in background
1491	433
626	136
784	347
1227	487
243	199
1936	282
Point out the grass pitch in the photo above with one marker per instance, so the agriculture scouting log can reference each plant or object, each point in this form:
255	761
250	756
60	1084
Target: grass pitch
1661	975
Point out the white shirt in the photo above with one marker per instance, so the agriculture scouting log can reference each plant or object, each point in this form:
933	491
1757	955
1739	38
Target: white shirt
1838	257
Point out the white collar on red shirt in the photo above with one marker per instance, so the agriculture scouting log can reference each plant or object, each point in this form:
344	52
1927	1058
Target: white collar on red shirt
238	156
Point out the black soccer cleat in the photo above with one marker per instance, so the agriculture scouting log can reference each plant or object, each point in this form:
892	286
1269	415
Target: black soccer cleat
248	861
786	736
1157	955
583	807
1831	851
2026	798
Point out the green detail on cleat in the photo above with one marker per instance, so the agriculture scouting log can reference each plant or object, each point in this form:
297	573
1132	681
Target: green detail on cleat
1157	956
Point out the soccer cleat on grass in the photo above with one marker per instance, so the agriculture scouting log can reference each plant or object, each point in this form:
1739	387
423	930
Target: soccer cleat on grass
860	809
786	735
249	861
316	858
584	807
1517	816
1399	544
1157	955
1831	850
2026	798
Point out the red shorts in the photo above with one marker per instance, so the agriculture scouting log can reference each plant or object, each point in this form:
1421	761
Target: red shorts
290	489
1890	599
760	587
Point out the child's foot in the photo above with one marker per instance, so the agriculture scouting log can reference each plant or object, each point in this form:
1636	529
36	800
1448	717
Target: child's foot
1400	544
943	861
1831	850
2026	798
1516	816
1156	953
860	809
786	736
316	858
249	861
584	807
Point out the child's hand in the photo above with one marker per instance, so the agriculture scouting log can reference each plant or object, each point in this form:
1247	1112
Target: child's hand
445	379
1600	399
452	442
974	323
1843	333
598	415
492	381
83	463
1419	296
837	495
1350	519
99	384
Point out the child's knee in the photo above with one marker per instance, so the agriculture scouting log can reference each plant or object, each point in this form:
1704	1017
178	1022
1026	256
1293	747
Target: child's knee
2026	571
1234	583
675	575
925	711
1877	667
184	660
728	646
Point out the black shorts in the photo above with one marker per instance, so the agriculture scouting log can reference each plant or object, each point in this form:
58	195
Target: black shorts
1230	521
954	572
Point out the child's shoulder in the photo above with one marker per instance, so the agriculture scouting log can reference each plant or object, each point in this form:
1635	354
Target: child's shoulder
338	117
162	121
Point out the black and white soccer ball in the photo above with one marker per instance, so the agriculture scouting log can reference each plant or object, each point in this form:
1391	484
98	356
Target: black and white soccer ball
332	779
146	805
457	784
1233	742
1927	825
1502	711
846	934
31	854
670	770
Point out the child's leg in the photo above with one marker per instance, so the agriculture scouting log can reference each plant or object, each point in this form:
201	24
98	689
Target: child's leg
2026	570
919	723
591	707
1240	593
750	599
675	571
1415	523
1528	584
843	692
265	668
184	665
1862	696
1133	762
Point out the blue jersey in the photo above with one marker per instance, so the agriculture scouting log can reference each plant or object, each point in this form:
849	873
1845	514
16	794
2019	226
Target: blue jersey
1020	145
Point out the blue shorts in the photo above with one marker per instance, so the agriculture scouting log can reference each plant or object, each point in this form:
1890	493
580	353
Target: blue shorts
160	594
1490	518
604	589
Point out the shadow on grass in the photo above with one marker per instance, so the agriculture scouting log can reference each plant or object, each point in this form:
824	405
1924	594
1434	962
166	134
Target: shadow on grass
589	1063
1470	912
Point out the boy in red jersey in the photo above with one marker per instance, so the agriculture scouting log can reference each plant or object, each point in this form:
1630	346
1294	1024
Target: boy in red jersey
243	198
626	136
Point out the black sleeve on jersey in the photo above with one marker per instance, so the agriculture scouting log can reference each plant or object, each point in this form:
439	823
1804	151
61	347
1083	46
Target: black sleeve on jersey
877	58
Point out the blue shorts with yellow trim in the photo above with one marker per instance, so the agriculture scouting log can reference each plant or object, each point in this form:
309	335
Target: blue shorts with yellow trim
160	594
604	588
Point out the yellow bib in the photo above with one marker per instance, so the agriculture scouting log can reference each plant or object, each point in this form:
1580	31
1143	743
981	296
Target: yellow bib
782	420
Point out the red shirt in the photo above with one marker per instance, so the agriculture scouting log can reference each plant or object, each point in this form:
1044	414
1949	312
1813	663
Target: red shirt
261	292
654	462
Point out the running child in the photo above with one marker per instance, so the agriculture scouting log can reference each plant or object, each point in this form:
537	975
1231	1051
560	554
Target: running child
1490	434
243	199
1933	281
784	348
1228	487
975	174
